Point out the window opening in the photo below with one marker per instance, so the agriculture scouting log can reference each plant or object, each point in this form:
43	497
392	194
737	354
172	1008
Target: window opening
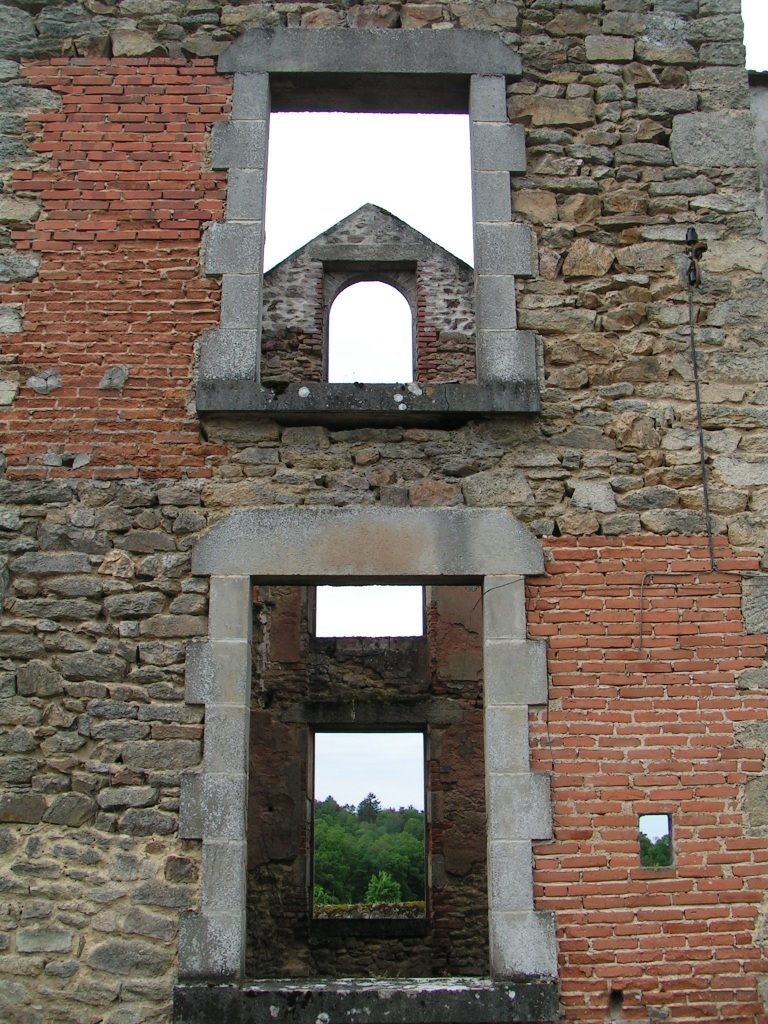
369	825
655	841
370	335
375	611
323	166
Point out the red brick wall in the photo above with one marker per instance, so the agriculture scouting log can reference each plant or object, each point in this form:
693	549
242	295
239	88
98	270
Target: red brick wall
126	190
649	727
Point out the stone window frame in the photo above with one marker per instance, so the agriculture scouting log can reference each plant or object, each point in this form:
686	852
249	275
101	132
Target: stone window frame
306	546
399	70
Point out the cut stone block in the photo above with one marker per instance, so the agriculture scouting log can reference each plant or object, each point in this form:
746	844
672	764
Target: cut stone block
510	875
239	144
233	248
519	806
504	608
506	356
495	303
488	98
230	355
218	672
230	608
505	249
498	147
212	946
250	97
523	942
515	672
245	194
506	739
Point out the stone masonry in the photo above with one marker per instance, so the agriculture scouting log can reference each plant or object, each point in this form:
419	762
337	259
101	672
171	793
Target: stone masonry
637	125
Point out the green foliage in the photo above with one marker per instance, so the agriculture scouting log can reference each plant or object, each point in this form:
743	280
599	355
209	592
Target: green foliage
382	888
322	898
351	848
656	854
369	807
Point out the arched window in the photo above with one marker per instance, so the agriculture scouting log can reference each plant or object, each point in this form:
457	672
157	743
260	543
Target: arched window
370	335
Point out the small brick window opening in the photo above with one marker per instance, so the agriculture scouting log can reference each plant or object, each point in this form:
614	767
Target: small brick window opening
655	840
369	859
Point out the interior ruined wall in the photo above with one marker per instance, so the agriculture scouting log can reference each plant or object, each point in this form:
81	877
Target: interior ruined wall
304	677
106	185
295	303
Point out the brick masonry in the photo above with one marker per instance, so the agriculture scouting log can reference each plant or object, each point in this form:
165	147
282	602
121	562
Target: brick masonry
107	184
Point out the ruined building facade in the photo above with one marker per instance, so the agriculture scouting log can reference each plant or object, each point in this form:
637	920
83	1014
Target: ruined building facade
178	475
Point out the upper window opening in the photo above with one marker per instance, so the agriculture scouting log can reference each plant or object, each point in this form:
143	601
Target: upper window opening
370	335
322	166
376	611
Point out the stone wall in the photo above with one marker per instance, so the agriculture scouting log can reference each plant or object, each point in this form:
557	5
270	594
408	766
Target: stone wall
637	118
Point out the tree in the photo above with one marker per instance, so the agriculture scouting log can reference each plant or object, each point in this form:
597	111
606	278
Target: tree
656	854
369	808
382	888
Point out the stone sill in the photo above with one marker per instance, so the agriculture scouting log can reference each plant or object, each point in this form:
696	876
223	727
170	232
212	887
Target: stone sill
396	1001
369	404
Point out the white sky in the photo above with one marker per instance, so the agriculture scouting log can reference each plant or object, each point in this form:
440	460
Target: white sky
369	611
350	765
755	15
323	167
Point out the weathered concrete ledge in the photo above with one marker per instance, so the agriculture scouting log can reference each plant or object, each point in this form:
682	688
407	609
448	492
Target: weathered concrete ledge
369	403
418	1001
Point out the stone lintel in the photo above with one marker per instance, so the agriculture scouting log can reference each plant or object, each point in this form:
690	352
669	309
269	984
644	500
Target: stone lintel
404	1001
430	545
368	404
370	51
397	253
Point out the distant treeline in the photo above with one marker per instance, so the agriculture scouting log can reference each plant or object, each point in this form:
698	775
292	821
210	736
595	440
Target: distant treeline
368	854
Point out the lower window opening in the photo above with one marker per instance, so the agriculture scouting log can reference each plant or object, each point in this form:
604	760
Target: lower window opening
369	859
